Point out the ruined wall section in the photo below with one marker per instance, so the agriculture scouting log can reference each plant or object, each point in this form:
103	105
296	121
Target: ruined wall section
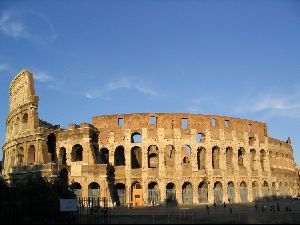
225	127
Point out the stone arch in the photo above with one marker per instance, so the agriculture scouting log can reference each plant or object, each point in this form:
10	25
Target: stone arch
252	159
77	153
170	192
136	157
20	156
203	192
136	137
201	154
273	190
51	143
137	194
255	191
243	192
153	193
170	156
231	192
153	156
241	155
262	159
215	157
17	125
218	192
104	156
120	194
119	156
229	158
187	193
94	190
265	189
62	156
95	146
76	187
31	155
25	122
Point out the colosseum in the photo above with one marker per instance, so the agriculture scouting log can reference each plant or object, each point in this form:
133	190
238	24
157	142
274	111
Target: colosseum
148	158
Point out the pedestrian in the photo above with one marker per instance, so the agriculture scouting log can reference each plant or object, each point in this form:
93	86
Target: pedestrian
215	204
224	205
256	206
230	210
278	207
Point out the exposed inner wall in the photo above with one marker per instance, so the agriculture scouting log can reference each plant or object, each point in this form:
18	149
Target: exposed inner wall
170	122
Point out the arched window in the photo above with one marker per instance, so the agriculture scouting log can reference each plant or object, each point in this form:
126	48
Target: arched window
31	155
136	137
119	156
203	192
215	157
76	187
25	121
153	156
170	155
120	198
136	157
243	192
262	159
170	193
104	156
218	192
63	156
229	158
252	159
241	153
77	153
231	192
51	143
186	154
201	158
153	193
17	126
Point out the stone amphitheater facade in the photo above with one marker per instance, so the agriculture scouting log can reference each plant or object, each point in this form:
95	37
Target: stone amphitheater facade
148	158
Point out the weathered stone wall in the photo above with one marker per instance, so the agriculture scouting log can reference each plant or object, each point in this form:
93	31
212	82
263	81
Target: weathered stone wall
234	158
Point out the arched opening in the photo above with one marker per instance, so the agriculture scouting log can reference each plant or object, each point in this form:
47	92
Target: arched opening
274	192
229	158
153	193
218	192
153	159
231	192
136	137
215	157
76	187
104	156
186	154
199	137
241	154
281	192
136	157
77	153
255	191
252	159
31	155
51	143
94	194
25	121
170	193
63	156
265	189
243	192
187	193
119	156
95	146
121	197
20	156
201	158
170	156
64	175
137	194
17	126
203	192
262	159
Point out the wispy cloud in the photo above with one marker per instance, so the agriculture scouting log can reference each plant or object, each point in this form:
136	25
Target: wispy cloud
130	83
24	25
42	76
272	104
10	27
4	67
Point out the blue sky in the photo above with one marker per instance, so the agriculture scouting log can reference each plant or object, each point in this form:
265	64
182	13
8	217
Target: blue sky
234	58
